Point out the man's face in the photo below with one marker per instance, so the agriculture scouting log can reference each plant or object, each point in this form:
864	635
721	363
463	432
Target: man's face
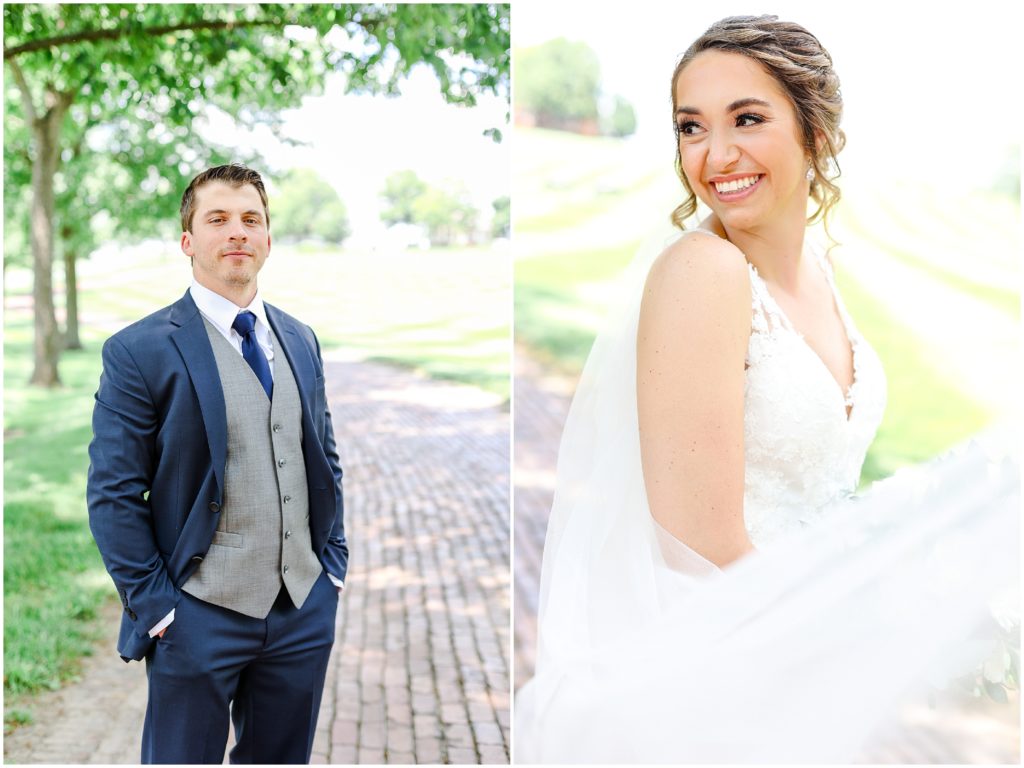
229	240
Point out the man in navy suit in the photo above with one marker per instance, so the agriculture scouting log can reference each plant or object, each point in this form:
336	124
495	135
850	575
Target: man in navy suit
214	497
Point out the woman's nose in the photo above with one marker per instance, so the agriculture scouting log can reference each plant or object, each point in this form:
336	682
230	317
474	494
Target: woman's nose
722	153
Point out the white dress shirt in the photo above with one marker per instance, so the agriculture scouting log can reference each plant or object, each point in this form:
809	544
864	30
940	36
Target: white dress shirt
221	313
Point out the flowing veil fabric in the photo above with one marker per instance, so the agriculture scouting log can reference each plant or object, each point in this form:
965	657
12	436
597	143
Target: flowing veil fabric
647	652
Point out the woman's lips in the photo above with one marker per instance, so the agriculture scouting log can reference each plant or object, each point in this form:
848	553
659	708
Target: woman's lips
742	194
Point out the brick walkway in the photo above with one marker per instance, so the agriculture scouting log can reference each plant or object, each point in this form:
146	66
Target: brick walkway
420	668
541	405
958	730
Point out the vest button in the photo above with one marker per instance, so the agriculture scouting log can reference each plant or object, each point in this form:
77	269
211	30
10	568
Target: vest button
281	462
287	534
286	569
287	499
214	506
277	427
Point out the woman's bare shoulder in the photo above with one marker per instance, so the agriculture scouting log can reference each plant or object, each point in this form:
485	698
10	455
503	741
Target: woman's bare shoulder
701	264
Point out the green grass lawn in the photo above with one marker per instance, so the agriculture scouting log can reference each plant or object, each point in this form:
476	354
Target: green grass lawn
925	412
445	312
555	314
54	581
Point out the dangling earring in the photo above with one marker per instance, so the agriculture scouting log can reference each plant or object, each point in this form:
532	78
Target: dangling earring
810	173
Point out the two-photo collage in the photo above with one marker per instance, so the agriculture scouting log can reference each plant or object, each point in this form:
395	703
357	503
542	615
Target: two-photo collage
511	383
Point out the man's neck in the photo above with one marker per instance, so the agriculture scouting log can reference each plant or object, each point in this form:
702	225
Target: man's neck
239	295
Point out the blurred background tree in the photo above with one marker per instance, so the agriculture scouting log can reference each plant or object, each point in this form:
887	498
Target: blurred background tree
401	191
307	206
143	73
501	225
558	86
621	119
445	214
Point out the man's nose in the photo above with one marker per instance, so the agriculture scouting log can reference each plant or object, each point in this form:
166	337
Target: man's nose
237	231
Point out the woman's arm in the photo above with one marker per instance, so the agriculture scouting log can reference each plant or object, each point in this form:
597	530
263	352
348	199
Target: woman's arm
691	347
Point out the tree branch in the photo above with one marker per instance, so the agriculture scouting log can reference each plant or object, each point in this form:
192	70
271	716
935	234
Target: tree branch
26	94
114	34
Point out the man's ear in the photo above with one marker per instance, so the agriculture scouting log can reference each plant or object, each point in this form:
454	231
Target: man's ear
186	244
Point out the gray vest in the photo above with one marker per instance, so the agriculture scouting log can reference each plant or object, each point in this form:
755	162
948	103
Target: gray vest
262	539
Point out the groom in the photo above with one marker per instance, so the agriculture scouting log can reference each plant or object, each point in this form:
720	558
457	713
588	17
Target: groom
214	496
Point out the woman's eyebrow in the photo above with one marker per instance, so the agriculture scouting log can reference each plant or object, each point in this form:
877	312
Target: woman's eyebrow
738	104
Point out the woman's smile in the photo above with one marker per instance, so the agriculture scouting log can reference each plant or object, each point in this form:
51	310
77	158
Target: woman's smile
736	189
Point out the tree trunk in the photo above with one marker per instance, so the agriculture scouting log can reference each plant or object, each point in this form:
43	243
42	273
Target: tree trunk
48	340
71	337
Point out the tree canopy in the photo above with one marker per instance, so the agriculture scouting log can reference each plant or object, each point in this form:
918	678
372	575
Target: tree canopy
112	91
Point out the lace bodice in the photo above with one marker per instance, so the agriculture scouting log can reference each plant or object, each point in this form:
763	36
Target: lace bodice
802	451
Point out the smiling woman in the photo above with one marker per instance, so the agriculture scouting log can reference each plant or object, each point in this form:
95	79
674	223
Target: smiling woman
710	582
795	72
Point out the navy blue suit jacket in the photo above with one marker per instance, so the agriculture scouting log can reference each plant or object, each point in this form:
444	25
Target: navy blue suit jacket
157	457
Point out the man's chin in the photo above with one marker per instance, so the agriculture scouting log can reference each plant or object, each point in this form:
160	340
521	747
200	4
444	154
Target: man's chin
239	279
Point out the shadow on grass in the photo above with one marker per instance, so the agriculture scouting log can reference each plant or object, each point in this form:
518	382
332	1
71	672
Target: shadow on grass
561	345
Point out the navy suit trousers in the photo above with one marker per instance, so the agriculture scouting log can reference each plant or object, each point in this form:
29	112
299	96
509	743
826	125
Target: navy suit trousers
267	675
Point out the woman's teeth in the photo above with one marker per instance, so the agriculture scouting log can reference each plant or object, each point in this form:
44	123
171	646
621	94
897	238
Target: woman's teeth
737	184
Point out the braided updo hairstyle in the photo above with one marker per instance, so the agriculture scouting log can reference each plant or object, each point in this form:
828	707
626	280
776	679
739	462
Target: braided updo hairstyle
803	69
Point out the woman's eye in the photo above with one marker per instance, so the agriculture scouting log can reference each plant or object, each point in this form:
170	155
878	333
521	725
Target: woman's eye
687	127
748	120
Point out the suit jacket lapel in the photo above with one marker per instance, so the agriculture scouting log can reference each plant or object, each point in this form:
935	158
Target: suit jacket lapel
296	354
194	345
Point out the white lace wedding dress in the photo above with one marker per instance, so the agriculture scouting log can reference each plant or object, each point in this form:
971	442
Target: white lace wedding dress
647	652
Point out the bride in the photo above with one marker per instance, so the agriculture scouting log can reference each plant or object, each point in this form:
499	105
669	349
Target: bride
712	590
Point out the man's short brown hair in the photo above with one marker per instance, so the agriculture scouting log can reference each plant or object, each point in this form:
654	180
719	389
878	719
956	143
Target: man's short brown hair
235	174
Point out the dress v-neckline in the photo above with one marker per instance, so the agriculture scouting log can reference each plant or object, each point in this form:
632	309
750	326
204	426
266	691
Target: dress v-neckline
851	337
847	396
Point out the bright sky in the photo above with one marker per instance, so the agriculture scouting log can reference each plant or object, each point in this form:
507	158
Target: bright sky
356	142
927	91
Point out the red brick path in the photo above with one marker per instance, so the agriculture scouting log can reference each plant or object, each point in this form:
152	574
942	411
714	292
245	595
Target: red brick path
420	668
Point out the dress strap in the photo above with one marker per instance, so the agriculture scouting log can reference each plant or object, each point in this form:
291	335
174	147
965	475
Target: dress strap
766	314
826	266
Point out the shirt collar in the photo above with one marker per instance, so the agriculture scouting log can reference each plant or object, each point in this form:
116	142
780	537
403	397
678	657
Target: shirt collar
221	312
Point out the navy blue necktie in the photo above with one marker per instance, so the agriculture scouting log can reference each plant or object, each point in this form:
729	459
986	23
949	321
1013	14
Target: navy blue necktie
245	324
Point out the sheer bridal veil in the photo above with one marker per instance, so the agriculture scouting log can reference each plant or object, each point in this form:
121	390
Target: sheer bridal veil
649	653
